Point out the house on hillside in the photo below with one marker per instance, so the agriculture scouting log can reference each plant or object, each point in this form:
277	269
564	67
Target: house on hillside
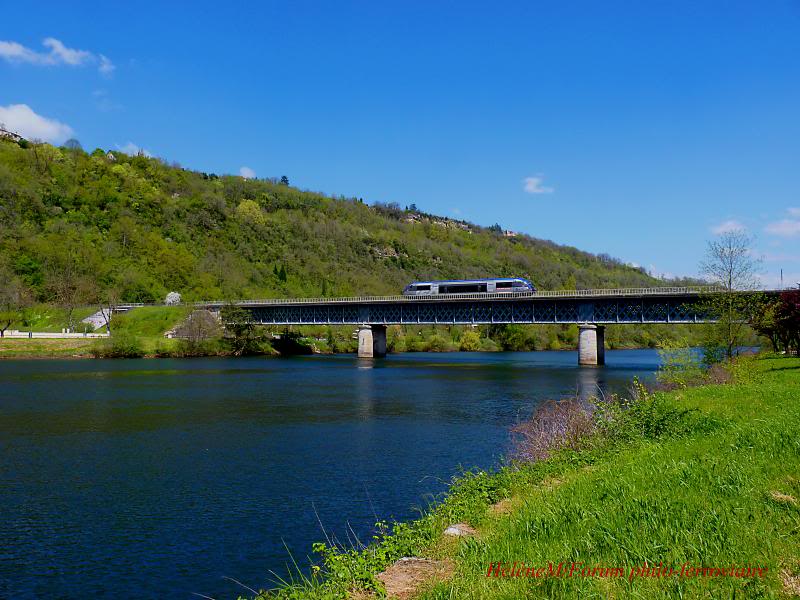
9	135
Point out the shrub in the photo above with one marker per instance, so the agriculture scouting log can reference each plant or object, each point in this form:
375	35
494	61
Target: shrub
470	341
744	369
437	343
680	364
572	425
120	345
488	345
647	416
555	425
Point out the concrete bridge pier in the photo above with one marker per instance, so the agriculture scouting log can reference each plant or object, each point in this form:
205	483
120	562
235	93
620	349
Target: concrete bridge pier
591	344
372	341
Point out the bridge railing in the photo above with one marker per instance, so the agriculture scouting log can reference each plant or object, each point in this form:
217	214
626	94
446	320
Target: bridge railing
592	293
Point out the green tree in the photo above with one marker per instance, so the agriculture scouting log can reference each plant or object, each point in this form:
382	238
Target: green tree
244	335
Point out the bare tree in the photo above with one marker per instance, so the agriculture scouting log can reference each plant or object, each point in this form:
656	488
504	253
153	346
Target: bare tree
70	290
731	265
14	298
109	300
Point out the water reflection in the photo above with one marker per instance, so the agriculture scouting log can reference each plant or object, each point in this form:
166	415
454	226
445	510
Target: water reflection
589	383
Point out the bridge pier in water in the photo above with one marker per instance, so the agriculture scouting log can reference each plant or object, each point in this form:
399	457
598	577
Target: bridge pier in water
372	341
591	344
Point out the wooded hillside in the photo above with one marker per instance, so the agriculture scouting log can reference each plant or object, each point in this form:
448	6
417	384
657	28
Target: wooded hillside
141	228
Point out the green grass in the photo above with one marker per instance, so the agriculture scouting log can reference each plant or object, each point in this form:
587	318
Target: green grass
44	348
703	499
149	321
52	319
700	489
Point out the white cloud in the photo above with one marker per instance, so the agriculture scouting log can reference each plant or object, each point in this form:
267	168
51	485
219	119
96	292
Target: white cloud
656	272
58	54
533	185
772	279
786	227
247	173
727	227
106	66
14	52
133	150
21	119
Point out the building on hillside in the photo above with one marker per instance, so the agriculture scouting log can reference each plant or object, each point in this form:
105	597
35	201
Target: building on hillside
9	135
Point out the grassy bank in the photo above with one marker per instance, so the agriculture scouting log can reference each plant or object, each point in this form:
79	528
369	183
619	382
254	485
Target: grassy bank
45	348
706	476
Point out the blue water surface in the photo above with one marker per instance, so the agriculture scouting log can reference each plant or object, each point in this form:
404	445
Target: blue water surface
159	478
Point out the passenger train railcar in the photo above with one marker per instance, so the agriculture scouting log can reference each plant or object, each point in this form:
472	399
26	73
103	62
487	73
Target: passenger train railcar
469	286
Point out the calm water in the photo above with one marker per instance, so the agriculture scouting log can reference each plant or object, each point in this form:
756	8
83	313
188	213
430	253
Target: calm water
157	478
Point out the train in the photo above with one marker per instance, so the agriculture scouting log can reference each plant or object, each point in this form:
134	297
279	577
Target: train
497	285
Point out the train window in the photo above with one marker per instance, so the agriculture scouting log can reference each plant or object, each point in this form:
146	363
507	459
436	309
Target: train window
519	284
423	288
462	288
503	284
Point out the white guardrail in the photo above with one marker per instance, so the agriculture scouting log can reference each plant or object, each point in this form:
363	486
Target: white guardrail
596	293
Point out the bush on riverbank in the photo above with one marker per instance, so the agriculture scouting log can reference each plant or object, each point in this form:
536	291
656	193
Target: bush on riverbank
703	475
120	345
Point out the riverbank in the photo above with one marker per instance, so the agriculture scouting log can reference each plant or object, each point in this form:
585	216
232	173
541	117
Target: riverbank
45	348
160	347
700	478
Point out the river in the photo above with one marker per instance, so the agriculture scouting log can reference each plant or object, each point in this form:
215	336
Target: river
159	478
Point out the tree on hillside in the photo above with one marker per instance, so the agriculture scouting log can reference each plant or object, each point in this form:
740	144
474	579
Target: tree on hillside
68	282
14	298
284	180
730	265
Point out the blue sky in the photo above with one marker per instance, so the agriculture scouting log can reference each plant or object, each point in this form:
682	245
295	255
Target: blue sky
638	129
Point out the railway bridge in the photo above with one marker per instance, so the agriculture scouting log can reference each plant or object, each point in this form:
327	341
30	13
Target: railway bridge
591	310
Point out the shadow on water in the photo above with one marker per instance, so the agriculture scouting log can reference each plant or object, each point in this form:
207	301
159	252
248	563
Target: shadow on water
163	476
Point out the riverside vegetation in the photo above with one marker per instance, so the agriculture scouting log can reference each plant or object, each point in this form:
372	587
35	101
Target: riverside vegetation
705	474
84	229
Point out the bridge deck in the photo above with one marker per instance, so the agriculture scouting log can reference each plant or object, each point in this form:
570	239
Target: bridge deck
632	305
692	291
601	306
